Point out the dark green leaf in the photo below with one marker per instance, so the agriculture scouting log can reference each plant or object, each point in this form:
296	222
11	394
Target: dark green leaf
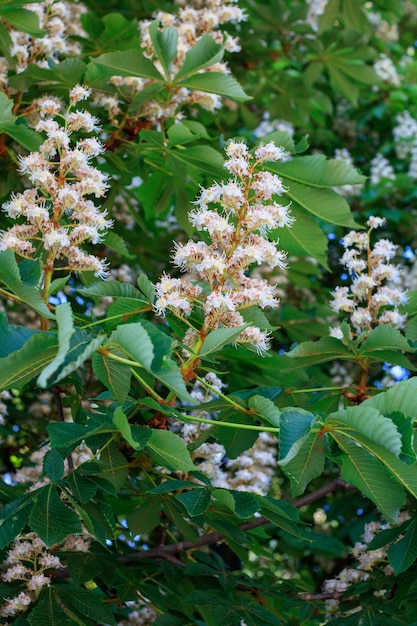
51	519
53	465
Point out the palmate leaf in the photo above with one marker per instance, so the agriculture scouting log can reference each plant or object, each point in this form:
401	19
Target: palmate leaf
122	63
401	397
371	477
304	238
218	83
165	45
115	376
307	463
206	52
369	422
64	319
10	276
85	603
403	473
48	612
19	367
168	449
267	409
403	553
50	518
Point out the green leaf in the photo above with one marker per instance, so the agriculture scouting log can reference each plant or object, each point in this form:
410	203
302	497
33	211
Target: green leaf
323	203
51	519
115	242
122	63
48	612
82	488
321	351
318	171
342	84
403	553
219	338
135	342
19	367
169	450
374	480
304	238
111	288
14	518
279	514
294	424
82	347
206	52
86	603
307	463
266	408
218	83
196	501
384	337
146	287
204	158
64	320
10	276
124	309
53	465
23	19
401	397
113	465
115	376
368	421
164	45
121	422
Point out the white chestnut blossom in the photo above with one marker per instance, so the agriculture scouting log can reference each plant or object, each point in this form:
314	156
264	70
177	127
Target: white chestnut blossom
374	295
248	208
57	211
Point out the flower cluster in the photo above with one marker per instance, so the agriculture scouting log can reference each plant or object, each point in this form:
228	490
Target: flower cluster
372	298
191	23
365	562
238	234
28	563
56	214
58	20
387	71
381	170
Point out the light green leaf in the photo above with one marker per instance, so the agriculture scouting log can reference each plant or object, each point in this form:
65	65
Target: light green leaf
218	83
401	397
403	553
82	348
51	519
10	276
384	337
295	423
307	463
206	52
53	465
323	203
115	242
169	450
374	480
23	19
64	320
164	45
58	284
204	158
405	474
318	171
135	342
304	238
266	408
125	309
121	422
146	287
369	422
342	84
112	288
123	63
19	367
219	338
321	351
115	376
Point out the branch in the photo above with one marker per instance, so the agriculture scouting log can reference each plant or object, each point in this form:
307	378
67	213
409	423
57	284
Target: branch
174	548
168	551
